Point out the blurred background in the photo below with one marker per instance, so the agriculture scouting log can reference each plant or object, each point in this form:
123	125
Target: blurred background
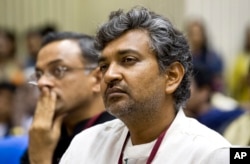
218	32
225	19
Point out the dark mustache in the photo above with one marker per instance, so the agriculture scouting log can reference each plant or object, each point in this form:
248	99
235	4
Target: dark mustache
115	87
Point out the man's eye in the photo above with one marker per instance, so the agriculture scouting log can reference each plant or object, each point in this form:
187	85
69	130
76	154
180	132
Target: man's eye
59	71
129	60
103	67
38	74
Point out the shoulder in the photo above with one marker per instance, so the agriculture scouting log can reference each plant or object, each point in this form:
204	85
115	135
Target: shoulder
87	144
192	141
105	128
195	133
98	134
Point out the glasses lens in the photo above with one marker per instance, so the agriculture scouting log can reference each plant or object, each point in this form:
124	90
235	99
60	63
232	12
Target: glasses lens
58	71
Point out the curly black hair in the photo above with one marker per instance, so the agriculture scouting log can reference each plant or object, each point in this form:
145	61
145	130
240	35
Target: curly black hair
168	43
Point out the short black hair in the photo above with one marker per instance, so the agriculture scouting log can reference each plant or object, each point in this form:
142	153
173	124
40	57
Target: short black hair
10	36
86	44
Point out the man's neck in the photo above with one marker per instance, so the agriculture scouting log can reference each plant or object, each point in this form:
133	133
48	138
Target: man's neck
144	132
83	113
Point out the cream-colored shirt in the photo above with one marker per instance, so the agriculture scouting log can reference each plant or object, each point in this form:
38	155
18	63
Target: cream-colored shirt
238	132
186	141
137	154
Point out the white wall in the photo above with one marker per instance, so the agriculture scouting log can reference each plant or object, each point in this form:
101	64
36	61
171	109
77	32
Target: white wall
226	21
75	15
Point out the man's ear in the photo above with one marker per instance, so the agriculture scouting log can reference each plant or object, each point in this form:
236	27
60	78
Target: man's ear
97	75
174	76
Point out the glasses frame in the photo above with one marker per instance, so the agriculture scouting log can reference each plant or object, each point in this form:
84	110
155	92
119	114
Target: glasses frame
33	79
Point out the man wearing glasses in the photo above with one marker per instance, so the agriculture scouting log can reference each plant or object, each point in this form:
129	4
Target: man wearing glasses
70	100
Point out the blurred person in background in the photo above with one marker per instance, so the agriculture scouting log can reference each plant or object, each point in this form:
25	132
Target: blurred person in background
11	78
11	145
33	43
239	77
238	132
203	53
199	105
69	82
26	95
10	68
7	91
24	105
33	40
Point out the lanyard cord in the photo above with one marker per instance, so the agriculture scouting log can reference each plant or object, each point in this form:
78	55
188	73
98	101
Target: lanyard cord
153	151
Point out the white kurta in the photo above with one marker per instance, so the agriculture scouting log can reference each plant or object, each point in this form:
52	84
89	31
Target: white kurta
186	141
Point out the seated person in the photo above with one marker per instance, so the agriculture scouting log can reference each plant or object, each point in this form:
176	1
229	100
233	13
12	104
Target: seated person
200	106
146	67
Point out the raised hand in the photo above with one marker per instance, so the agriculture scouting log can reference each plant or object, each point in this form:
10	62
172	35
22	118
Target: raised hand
45	129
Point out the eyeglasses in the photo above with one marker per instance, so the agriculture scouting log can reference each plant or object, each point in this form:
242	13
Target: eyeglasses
56	72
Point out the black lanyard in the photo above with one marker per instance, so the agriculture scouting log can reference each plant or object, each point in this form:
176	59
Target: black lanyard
153	151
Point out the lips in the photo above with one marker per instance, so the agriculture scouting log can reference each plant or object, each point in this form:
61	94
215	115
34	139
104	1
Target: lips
114	91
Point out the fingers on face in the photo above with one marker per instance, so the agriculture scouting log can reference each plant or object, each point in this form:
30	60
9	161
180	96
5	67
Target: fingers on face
45	109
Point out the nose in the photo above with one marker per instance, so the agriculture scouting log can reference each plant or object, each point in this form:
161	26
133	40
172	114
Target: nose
44	81
112	74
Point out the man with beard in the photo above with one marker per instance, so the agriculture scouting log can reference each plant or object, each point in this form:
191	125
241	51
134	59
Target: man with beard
146	66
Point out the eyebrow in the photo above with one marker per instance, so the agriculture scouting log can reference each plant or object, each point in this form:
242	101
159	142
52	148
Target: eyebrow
120	53
50	63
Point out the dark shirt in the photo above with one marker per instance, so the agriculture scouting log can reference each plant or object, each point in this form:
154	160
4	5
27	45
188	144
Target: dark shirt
65	138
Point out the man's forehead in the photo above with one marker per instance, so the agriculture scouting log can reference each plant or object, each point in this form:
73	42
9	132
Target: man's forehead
60	51
133	41
66	45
